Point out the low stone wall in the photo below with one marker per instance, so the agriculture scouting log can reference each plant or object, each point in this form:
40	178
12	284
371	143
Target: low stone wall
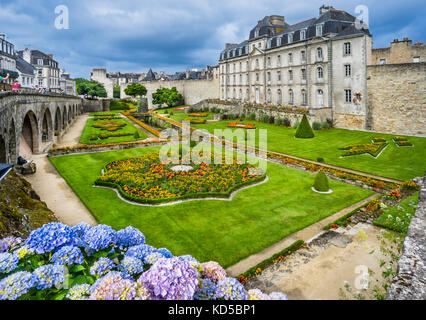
95	105
314	115
409	283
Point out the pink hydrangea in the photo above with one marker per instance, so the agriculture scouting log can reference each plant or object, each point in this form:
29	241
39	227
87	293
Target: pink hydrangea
213	271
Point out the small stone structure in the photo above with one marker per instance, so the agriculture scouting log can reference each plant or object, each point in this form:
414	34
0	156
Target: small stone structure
409	283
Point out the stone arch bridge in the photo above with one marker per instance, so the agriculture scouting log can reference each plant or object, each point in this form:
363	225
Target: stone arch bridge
33	120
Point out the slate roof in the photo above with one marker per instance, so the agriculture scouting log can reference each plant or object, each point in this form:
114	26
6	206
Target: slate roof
337	23
23	66
150	76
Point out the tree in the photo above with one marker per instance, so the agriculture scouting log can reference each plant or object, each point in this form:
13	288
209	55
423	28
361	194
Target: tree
167	96
304	129
90	88
135	89
321	182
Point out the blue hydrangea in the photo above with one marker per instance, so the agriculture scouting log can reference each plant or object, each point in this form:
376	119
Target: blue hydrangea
79	292
109	274
67	255
49	275
140	251
80	231
153	258
188	258
16	285
129	237
100	237
50	237
278	296
8	262
131	265
206	290
10	243
231	289
165	252
102	267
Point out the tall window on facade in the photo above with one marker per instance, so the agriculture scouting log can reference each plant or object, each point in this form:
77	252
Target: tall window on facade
247	95
279	61
279	76
290	75
348	70
40	62
290	58
320	98
269	76
241	67
319	53
320	73
234	80
241	79
290	97
233	94
269	96
280	97
304	97
269	61
347	48
348	95
240	96
257	63
257	77
303	54
303	74
319	30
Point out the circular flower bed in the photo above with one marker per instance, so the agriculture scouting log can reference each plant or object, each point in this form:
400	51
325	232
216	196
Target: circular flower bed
58	262
148	180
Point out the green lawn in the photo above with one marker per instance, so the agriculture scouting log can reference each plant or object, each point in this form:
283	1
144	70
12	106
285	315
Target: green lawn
224	231
180	115
129	128
394	162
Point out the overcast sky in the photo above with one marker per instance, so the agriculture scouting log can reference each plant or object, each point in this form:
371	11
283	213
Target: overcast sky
171	35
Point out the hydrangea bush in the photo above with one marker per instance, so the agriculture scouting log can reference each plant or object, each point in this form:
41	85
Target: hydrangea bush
99	263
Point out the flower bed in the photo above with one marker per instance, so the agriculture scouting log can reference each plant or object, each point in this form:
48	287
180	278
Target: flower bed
105	135
195	121
147	180
58	262
142	124
109	125
373	149
402	142
197	114
251	105
241	125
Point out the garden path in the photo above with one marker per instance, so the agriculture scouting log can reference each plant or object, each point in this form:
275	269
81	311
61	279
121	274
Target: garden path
72	136
304	234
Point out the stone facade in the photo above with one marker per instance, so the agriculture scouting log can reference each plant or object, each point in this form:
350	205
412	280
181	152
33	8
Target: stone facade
400	51
397	98
409	282
38	119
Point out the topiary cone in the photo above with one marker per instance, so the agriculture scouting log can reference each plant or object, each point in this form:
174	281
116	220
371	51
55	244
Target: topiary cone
321	182
304	130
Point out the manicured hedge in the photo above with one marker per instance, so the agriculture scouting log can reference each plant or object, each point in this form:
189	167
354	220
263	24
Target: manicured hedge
304	130
321	182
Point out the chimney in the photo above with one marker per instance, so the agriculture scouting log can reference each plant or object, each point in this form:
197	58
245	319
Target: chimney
187	73
325	9
26	55
276	20
2	36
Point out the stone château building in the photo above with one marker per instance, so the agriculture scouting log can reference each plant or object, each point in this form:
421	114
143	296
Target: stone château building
317	63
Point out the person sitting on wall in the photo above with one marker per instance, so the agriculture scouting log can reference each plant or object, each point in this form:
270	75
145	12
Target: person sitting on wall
1	78
15	86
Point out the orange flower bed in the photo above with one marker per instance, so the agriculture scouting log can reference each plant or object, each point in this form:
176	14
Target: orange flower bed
142	124
241	125
197	114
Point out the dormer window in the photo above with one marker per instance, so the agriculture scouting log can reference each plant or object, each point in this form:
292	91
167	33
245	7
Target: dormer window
256	32
319	30
302	34
290	38
279	41
269	43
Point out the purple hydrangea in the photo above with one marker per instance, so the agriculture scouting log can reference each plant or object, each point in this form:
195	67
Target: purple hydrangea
188	258
10	243
114	287
213	271
231	289
49	275
165	252
50	237
100	237
102	267
206	290
131	265
67	255
8	262
129	237
170	279
256	294
277	296
140	251
16	285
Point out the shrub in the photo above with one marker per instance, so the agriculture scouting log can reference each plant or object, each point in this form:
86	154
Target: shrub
137	134
321	182
304	131
252	116
330	123
316	126
287	122
319	159
325	125
271	119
